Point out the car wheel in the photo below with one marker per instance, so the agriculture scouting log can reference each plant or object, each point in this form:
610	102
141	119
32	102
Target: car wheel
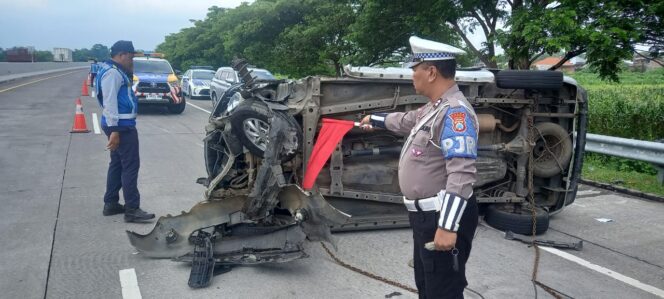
514	218
177	108
552	151
525	79
250	123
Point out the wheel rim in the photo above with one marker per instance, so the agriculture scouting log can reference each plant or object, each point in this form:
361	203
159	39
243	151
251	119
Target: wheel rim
256	131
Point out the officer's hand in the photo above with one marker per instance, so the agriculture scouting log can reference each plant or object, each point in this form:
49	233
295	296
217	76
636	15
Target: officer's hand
444	240
365	124
113	141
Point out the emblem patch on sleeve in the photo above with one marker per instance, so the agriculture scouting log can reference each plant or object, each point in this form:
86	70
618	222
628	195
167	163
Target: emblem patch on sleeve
458	138
458	121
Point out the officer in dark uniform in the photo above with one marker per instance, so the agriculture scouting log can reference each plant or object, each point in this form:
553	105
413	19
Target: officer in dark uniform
437	170
120	106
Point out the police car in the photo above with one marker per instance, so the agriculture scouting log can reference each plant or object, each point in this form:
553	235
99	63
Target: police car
155	82
196	82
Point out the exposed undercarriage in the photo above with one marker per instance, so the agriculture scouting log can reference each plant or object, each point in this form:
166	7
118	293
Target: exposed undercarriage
261	134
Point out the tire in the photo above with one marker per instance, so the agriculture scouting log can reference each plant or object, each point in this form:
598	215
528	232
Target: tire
515	79
517	220
177	108
553	145
252	116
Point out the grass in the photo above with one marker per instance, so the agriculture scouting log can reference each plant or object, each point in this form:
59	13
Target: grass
597	171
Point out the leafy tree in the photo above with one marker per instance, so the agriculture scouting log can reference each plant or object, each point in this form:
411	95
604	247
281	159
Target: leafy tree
302	37
606	31
43	56
319	44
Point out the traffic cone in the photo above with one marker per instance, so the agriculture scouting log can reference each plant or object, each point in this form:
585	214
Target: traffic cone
79	119
84	89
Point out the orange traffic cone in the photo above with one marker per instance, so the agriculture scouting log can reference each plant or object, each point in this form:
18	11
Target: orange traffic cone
79	119
84	89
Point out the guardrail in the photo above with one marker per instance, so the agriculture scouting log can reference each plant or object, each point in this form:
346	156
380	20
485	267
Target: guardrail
647	151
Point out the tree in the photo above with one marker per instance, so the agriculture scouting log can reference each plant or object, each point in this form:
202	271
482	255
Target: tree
319	44
606	31
303	37
2	55
43	56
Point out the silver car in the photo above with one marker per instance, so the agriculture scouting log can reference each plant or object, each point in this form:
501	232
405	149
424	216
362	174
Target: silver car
196	83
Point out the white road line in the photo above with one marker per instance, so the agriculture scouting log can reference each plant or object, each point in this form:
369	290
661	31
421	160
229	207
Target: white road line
129	284
613	274
95	124
199	108
199	144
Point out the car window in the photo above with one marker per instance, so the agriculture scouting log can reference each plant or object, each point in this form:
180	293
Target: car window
218	75
230	77
152	66
203	75
262	75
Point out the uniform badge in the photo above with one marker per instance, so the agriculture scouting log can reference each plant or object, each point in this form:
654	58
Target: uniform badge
458	121
416	152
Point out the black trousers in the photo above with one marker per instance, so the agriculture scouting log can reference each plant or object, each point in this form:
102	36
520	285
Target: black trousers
434	273
123	170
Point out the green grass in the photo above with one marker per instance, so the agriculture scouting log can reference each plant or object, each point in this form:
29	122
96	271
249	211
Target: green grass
596	169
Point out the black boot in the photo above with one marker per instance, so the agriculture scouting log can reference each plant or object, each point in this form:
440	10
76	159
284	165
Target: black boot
137	215
113	209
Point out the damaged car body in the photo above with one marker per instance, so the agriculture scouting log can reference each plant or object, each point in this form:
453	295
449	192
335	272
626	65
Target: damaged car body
261	134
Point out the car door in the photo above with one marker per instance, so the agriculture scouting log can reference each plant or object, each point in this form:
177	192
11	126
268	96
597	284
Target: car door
185	82
214	84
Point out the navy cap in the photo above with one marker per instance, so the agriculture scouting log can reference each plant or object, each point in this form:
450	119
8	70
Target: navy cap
122	46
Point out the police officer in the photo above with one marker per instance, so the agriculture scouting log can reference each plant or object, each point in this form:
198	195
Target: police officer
119	103
437	170
93	71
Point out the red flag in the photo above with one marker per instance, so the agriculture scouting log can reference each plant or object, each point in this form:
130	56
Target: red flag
330	135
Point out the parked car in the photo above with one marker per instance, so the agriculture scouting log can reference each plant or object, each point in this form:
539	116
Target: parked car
196	83
226	76
261	135
156	83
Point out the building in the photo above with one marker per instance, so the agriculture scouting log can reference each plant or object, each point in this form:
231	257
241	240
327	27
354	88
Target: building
644	62
62	55
548	62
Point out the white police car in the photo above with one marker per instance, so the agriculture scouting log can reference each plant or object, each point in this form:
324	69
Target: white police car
196	83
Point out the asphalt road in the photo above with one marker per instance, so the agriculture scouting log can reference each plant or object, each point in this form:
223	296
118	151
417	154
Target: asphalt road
56	244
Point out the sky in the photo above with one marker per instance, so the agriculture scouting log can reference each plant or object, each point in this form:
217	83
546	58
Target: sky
78	24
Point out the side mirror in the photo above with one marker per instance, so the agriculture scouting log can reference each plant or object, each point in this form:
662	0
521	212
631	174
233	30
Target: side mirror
185	77
178	72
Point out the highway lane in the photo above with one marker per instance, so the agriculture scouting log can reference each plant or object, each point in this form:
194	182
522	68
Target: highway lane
56	244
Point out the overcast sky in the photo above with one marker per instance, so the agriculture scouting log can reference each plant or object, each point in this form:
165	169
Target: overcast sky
77	24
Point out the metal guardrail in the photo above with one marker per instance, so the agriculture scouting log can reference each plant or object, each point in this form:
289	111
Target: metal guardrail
647	151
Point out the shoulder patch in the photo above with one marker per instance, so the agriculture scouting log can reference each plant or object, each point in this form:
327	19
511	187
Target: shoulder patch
458	139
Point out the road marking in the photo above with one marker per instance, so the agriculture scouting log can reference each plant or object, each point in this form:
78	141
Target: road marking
199	144
24	84
199	108
95	124
129	284
613	274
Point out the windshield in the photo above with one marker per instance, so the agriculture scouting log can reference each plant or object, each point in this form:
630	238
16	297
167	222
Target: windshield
152	66
262	74
204	75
